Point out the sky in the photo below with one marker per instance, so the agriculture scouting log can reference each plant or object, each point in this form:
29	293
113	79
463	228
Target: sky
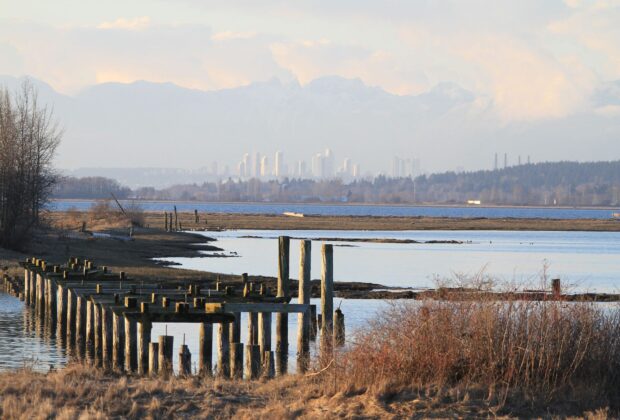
532	60
535	59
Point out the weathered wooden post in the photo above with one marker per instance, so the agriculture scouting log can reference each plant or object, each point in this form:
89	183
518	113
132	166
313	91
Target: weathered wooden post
223	350
27	284
252	361
166	343
153	358
40	295
327	290
303	319
313	322
236	360
166	221
235	328
268	369
196	217
89	341
61	310
106	335
205	349
176	219
264	331
71	316
556	287
185	361
98	336
131	345
144	338
252	328
118	341
51	304
339	328
32	286
80	325
282	318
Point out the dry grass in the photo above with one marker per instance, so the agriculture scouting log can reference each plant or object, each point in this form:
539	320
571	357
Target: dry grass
521	357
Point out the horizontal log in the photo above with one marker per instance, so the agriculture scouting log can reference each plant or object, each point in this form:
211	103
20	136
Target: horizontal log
257	307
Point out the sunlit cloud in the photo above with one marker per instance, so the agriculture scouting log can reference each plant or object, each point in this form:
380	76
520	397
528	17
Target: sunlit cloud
127	24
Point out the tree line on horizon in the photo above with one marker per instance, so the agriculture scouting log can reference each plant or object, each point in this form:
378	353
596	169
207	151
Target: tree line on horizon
546	184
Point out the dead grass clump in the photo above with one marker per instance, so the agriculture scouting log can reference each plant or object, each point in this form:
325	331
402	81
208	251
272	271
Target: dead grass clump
537	353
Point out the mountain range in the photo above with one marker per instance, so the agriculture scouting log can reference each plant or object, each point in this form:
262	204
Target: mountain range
144	124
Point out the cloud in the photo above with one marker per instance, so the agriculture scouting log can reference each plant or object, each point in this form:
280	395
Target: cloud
230	35
75	57
127	24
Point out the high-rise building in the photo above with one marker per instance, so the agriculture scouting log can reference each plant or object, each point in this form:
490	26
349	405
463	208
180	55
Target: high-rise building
318	166
301	169
356	170
246	166
328	171
495	166
264	167
256	165
279	165
505	160
346	167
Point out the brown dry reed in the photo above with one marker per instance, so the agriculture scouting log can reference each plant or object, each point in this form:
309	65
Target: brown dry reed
534	352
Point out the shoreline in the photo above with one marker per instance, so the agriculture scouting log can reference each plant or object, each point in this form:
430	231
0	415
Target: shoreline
341	204
145	256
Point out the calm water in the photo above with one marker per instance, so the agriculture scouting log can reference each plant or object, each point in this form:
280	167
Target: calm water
587	260
590	260
359	210
23	341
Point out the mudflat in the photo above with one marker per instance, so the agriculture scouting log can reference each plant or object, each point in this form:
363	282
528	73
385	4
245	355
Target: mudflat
309	222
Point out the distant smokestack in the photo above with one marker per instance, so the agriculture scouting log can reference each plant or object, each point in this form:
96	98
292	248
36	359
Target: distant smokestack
505	160
495	167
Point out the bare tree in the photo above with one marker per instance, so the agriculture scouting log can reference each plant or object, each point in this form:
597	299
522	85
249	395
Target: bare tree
29	137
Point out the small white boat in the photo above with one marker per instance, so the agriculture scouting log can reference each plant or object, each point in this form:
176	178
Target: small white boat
292	214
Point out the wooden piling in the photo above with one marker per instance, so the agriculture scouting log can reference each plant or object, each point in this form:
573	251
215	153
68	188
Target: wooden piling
339	336
556	288
303	293
106	336
252	361
268	368
98	334
282	318
327	290
252	328
223	351
235	328
153	358
313	322
205	349
144	338
89	339
27	285
264	331
185	361
61	310
80	325
118	342
131	345
71	315
166	343
236	360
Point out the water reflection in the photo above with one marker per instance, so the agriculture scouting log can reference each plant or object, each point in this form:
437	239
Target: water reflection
588	260
26	339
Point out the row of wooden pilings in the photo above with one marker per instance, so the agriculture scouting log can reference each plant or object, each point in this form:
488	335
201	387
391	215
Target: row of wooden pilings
106	319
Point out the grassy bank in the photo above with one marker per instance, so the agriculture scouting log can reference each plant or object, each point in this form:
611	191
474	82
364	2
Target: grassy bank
430	359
